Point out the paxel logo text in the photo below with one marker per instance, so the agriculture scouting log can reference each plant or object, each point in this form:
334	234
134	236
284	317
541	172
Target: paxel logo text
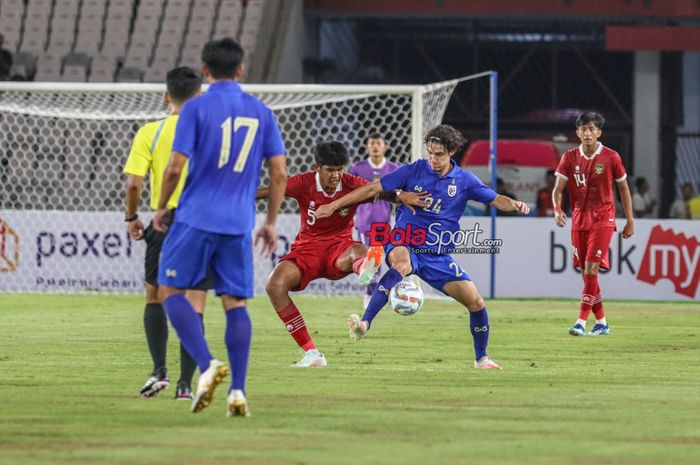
81	245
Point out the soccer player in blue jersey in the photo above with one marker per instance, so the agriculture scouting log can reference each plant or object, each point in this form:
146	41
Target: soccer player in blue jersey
449	189
225	135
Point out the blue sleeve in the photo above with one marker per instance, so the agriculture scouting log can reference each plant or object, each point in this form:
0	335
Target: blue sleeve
397	179
273	143
477	190
186	130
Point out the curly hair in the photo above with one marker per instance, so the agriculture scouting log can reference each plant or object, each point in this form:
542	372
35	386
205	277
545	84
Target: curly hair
447	136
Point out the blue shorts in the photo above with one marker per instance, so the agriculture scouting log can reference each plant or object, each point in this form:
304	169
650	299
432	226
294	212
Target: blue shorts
436	270
188	252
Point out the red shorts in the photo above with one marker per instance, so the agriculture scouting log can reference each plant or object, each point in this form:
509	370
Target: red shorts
592	245
318	260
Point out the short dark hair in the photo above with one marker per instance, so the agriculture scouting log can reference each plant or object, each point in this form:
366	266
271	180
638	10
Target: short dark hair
222	57
182	83
588	117
640	181
447	136
374	135
331	153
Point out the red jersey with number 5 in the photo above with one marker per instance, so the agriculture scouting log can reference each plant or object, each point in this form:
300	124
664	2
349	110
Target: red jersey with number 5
306	189
590	181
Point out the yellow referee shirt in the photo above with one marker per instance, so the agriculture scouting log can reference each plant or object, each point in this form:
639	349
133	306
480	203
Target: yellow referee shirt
150	151
694	205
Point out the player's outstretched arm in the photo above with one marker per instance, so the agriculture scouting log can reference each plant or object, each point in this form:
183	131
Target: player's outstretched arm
506	204
410	199
557	195
626	197
170	179
278	184
133	197
358	195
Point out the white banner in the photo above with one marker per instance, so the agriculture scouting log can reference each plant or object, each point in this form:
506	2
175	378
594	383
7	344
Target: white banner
55	251
659	262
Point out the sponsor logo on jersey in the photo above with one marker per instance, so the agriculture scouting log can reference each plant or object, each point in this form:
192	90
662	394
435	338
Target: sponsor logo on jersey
170	273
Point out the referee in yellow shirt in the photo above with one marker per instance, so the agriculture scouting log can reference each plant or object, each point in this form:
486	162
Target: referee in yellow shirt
150	153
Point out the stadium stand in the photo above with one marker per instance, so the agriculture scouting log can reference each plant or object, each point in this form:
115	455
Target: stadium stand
123	40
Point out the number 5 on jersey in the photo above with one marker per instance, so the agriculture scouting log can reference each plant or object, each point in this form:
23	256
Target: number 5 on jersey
226	130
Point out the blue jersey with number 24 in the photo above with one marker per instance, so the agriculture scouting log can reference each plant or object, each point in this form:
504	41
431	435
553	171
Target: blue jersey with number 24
225	133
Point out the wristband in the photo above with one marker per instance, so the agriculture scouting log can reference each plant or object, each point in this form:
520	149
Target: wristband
557	208
397	193
129	219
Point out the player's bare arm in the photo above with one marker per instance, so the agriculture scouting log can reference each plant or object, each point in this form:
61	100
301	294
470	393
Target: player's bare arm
409	199
358	195
275	195
506	204
133	197
170	179
626	197
557	196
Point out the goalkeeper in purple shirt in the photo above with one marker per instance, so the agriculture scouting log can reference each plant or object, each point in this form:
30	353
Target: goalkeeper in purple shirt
372	168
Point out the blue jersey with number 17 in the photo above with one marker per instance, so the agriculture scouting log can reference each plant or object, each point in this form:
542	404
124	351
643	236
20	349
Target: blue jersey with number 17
449	195
225	133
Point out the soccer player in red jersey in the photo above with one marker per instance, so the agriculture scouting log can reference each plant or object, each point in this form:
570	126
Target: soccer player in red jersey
589	171
323	248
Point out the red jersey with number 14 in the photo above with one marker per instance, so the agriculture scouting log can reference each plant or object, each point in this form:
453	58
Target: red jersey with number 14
590	181
306	189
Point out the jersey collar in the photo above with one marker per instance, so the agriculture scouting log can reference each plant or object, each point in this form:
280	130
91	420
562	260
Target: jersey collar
338	188
376	167
597	151
225	85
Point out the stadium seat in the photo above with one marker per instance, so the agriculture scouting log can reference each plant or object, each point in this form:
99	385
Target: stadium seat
102	69
74	73
130	74
11	16
48	68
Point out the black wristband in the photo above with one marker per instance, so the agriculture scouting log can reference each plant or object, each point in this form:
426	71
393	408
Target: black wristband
129	219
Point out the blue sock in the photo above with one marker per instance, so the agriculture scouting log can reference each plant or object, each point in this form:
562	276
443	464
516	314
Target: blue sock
479	325
189	329
239	331
371	288
381	294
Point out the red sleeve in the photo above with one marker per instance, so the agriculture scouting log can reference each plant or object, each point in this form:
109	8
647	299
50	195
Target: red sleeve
295	186
564	170
618	169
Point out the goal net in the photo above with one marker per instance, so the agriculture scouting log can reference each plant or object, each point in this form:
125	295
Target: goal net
63	148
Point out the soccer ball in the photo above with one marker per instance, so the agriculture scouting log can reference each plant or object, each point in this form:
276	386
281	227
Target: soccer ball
406	298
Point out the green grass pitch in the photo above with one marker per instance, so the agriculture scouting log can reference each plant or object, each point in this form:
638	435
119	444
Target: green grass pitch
71	368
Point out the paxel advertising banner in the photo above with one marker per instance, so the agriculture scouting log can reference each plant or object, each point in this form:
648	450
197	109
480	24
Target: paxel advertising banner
54	251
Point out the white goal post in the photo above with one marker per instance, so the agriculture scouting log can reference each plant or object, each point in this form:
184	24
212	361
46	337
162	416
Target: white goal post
63	147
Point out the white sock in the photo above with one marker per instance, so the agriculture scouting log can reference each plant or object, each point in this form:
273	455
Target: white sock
601	322
581	322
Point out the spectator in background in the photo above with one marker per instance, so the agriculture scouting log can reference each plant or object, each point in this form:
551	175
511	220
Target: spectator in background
5	61
680	209
501	190
642	204
694	207
545	207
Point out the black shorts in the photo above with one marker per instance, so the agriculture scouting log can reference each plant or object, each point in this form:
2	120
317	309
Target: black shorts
154	242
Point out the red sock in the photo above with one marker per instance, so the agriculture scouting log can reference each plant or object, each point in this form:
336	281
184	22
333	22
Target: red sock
590	286
598	311
356	265
294	323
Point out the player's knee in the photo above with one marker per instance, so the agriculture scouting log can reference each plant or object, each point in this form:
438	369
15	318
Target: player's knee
403	267
475	303
275	287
